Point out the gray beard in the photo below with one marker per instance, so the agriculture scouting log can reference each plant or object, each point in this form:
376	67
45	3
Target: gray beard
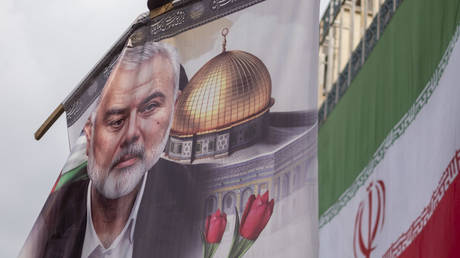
115	183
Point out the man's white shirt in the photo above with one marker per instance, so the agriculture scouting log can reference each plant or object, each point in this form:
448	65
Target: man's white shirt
122	246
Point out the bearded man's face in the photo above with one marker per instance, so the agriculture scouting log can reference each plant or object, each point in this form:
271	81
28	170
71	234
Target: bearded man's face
131	126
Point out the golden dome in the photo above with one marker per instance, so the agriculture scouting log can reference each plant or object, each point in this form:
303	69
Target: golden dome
233	87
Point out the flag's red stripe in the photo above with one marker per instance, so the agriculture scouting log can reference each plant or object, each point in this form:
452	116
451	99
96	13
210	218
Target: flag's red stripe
441	235
436	231
55	183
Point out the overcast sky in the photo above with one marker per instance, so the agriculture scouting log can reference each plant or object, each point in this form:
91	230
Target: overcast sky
46	48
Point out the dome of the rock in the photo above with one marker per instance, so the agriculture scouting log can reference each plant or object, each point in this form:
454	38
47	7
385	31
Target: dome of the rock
231	88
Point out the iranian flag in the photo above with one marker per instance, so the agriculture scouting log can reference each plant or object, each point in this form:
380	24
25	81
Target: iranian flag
389	153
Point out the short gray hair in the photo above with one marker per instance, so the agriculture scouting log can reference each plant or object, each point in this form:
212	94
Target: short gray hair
132	57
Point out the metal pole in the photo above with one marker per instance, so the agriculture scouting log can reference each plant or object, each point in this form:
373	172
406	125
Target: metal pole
378	18
330	60
363	28
49	122
352	31
339	56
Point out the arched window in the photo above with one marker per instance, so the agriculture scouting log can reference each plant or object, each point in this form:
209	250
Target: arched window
296	180
285	186
229	203
277	188
305	171
244	198
211	205
263	188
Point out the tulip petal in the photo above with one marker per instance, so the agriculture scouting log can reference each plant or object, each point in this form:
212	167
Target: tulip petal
268	213
215	224
256	216
265	197
223	224
253	224
246	210
206	225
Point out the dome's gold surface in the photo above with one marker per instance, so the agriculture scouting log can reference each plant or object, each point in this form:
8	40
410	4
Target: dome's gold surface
230	88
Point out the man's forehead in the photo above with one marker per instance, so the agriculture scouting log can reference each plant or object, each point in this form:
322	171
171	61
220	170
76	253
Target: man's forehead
151	73
157	67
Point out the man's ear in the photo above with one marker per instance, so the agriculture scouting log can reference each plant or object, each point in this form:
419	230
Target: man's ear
88	135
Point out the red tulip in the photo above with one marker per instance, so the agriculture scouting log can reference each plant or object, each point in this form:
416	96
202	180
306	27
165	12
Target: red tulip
215	227
256	216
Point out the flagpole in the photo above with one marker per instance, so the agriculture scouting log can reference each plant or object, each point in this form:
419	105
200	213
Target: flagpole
49	122
156	7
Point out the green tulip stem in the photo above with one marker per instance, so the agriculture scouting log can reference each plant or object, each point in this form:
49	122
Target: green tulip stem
245	244
235	235
240	245
209	249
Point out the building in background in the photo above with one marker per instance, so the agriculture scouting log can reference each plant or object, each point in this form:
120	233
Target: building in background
349	30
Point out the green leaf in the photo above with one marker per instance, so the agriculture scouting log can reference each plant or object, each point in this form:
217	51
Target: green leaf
212	250
236	233
245	245
240	245
205	245
208	248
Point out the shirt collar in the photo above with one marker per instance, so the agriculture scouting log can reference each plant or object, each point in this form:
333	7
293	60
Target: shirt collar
135	209
92	240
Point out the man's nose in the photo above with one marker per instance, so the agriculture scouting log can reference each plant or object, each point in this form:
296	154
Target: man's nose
132	132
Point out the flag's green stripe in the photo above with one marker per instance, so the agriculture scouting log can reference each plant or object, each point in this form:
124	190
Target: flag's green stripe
394	75
397	131
71	175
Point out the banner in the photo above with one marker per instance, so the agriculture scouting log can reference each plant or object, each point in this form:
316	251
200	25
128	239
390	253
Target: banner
195	136
404	133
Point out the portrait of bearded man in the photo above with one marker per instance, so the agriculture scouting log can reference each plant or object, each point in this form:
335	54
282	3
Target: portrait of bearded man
132	203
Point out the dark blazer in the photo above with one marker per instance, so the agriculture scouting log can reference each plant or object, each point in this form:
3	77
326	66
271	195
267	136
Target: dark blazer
167	224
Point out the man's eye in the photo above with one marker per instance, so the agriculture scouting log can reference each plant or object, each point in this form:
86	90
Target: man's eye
117	123
150	107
